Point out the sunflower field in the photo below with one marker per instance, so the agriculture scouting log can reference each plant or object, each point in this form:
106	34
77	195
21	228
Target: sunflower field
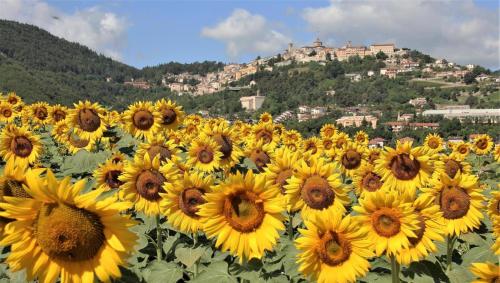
88	194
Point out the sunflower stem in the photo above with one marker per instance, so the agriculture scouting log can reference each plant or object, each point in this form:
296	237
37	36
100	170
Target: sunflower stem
195	267
158	239
450	241
290	225
394	269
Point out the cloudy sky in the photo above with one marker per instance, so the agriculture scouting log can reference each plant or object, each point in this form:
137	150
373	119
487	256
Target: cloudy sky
152	32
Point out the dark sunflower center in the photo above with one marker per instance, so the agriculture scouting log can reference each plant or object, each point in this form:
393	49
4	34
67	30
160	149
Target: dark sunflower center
327	144
454	202
340	143
260	158
88	120
311	146
385	222
68	233
21	146
373	157
329	132
372	182
419	232
149	185
360	138
226	146
482	144
205	156
13	188
59	115
463	149
168	116
264	135
112	180
7	113
334	248
189	201
433	143
41	113
403	167
244	211
282	177
351	159
12	100
452	167
164	152
143	120
317	193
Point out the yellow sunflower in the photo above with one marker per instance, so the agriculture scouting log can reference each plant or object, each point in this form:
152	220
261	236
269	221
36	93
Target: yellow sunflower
112	118
227	139
181	202
429	230
118	157
266	118
373	155
74	143
496	153
361	137
144	180
328	146
317	191
433	143
451	165
327	131
493	209
405	168
460	201
462	148
340	139
62	233
8	113
13	99
204	154
281	168
171	114
482	144
496	231
37	114
366	180
265	132
20	144
57	113
312	147
260	154
485	272
352	156
243	216
387	220
166	149
333	250
141	120
107	175
12	180
86	120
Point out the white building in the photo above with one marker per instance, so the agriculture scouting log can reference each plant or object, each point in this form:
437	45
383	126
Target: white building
483	115
252	103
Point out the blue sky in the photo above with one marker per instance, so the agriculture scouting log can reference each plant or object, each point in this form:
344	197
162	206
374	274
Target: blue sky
143	33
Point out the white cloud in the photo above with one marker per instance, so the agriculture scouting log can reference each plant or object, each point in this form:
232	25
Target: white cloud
457	30
101	31
243	32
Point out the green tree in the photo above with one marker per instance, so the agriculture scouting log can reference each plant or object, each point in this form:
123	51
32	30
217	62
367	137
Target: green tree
381	55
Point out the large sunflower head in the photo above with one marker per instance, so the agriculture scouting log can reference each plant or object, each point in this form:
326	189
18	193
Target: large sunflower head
366	180
87	120
142	120
204	154
166	149
404	168
316	190
20	144
62	233
485	272
460	201
451	165
482	144
182	202
243	216
281	168
144	181
171	114
107	175
433	143
57	113
227	139
327	131
351	157
388	221
335	248
8	112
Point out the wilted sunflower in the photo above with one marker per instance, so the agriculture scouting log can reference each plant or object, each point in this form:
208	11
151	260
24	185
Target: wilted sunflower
20	144
141	120
281	168
57	113
265	132
388	221
333	250
462	148
182	202
485	272
86	120
8	113
327	131
366	180
166	149
204	154
361	137
451	165
460	201
60	233
243	216
433	143
429	230
405	168
266	118
351	157
227	139
317	191
107	175
36	114
144	180
260	154
482	144
171	114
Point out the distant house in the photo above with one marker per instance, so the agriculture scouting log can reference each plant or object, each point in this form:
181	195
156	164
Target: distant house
357	121
405	117
389	72
418	102
252	103
376	142
304	109
318	112
482	77
399	126
138	84
370	73
354	77
387	48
